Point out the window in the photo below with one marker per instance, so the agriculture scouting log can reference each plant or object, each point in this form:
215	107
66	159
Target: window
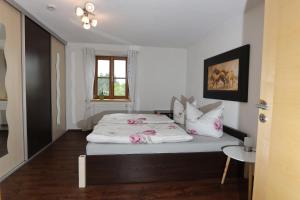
111	78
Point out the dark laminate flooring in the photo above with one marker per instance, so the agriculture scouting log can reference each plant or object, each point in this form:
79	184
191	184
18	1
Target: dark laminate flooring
52	175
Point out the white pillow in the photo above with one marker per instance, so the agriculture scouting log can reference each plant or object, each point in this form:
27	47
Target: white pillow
184	100
191	113
179	109
178	112
208	124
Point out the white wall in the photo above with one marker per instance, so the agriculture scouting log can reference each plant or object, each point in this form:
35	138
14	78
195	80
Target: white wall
161	75
235	32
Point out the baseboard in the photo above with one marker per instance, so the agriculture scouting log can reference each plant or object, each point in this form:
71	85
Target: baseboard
54	140
74	130
12	171
78	131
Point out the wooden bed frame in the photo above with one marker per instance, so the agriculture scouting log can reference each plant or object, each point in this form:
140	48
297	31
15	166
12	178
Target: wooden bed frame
139	168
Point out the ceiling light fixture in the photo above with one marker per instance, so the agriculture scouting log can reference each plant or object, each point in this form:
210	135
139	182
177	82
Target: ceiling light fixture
79	11
94	22
87	15
86	26
90	7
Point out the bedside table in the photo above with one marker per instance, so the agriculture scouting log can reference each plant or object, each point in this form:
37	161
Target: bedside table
238	153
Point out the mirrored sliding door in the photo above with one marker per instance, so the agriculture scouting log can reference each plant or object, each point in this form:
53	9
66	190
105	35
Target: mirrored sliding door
3	94
11	116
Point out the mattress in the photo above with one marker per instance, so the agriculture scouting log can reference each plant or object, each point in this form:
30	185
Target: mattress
198	144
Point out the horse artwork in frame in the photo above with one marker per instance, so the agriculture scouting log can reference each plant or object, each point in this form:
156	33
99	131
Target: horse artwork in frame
226	76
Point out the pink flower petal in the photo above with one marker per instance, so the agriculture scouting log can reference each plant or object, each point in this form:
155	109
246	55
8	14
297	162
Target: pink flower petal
135	139
192	132
131	121
218	125
172	127
149	132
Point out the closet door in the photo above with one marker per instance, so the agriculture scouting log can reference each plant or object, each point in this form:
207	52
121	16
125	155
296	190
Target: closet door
58	85
38	87
10	20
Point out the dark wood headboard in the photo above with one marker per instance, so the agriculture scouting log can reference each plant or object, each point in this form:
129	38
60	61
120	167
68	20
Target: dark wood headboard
235	133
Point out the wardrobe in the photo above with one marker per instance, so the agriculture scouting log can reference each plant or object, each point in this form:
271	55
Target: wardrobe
35	84
11	21
38	87
45	87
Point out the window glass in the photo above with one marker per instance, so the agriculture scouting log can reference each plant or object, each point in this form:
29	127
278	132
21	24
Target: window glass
103	68
120	68
103	86
120	87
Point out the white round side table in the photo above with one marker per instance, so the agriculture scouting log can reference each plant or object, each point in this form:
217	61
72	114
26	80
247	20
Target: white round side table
238	153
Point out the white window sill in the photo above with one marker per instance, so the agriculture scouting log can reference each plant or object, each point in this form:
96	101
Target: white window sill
111	100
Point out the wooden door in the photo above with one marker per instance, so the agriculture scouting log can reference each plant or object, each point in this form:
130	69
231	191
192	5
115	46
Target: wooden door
38	87
277	171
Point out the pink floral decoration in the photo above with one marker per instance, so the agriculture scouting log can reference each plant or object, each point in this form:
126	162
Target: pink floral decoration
131	121
136	139
172	127
218	124
137	121
149	132
192	131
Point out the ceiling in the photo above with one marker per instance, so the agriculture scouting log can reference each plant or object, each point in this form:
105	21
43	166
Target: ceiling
162	23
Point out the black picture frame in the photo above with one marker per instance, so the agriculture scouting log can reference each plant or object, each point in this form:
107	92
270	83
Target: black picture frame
241	94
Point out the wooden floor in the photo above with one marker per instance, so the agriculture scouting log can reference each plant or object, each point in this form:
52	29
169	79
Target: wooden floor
52	175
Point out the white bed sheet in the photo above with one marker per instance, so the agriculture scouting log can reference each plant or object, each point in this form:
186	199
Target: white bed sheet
198	144
133	118
138	133
137	129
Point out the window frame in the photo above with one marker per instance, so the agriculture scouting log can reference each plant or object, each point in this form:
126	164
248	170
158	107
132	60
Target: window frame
111	78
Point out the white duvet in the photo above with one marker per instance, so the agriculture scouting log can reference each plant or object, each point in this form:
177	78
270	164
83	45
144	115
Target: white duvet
119	130
124	118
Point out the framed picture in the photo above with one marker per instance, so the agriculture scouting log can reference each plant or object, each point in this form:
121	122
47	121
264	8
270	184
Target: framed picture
226	76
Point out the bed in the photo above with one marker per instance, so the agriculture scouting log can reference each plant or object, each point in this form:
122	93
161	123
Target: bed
198	144
134	163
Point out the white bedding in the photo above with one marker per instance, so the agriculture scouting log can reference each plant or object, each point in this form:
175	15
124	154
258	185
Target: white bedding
124	118
137	129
